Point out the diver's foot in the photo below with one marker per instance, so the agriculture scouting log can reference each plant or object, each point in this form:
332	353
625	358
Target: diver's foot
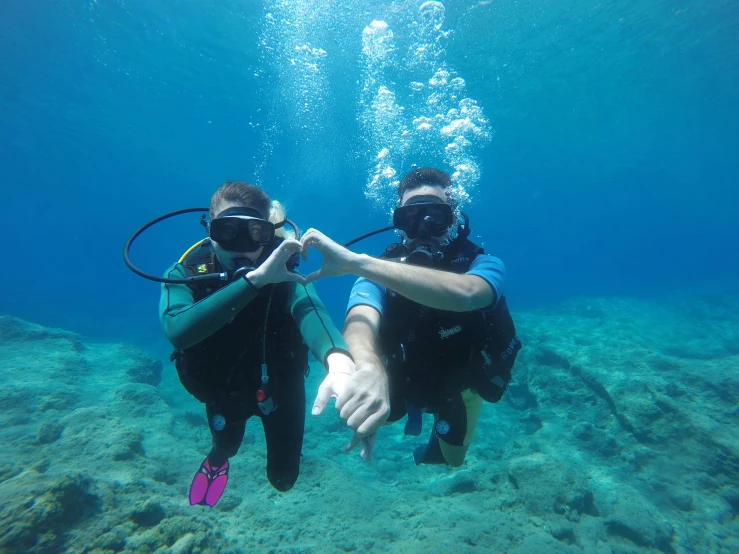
209	483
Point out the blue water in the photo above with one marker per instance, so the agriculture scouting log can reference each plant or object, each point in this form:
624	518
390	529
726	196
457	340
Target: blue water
605	177
612	169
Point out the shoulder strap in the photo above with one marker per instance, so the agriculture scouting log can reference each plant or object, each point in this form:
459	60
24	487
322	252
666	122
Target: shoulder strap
461	253
201	261
468	247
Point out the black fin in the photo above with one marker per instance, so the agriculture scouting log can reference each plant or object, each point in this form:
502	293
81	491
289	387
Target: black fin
430	453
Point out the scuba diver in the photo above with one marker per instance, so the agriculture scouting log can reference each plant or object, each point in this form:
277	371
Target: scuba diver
427	323
239	317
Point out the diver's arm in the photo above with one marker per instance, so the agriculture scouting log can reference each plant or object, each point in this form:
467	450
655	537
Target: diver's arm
361	327
365	402
437	289
318	331
430	287
186	322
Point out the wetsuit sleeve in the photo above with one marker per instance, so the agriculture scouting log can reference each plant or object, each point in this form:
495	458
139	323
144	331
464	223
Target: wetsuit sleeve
492	270
186	322
316	327
367	293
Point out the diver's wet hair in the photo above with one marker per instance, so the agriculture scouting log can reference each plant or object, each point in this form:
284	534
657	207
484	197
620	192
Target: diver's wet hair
243	194
423	176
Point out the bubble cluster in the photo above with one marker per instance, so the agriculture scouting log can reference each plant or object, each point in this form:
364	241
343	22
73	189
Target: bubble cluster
380	112
377	40
294	77
435	123
289	45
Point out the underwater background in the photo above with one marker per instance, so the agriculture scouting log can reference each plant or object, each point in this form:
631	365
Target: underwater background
595	145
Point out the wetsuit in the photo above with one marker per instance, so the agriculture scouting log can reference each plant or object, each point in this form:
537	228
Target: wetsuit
222	337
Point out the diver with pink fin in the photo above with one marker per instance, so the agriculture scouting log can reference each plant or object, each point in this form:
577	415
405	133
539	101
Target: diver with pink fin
242	321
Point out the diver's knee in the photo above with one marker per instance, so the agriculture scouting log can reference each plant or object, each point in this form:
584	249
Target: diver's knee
219	455
454	455
282	479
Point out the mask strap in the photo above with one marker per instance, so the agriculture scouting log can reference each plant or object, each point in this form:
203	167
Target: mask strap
251	212
424	199
463	229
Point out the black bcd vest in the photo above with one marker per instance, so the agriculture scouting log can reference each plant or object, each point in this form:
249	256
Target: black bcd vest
228	362
439	353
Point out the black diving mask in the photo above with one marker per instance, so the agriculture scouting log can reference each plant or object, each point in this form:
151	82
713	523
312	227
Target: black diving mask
246	233
424	216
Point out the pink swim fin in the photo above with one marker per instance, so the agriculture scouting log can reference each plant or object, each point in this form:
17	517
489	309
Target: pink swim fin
208	484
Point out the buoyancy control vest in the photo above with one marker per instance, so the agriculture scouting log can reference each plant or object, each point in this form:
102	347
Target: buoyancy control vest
228	363
433	355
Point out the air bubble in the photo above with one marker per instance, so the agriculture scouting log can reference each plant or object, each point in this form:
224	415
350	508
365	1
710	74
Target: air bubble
414	109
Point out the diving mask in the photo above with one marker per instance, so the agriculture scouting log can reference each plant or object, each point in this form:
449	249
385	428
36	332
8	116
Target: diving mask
424	216
241	230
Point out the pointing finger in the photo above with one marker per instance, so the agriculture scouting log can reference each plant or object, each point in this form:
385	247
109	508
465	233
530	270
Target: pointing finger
368	447
352	444
325	392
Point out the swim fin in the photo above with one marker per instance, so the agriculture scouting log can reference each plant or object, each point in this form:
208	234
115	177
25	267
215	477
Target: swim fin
414	425
208	484
430	453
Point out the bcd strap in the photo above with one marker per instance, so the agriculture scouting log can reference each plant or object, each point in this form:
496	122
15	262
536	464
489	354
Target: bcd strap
498	354
201	261
394	250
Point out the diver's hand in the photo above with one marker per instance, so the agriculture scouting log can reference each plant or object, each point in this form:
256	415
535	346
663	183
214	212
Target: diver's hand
364	403
337	260
368	446
274	270
340	368
340	362
340	371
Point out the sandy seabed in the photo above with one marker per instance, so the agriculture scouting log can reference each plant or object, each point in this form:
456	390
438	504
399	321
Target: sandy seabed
618	435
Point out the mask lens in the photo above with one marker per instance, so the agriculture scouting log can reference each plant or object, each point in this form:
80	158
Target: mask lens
260	230
238	234
425	219
406	218
223	230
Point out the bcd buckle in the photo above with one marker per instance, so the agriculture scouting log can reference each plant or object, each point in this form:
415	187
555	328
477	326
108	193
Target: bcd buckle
264	399
265	402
